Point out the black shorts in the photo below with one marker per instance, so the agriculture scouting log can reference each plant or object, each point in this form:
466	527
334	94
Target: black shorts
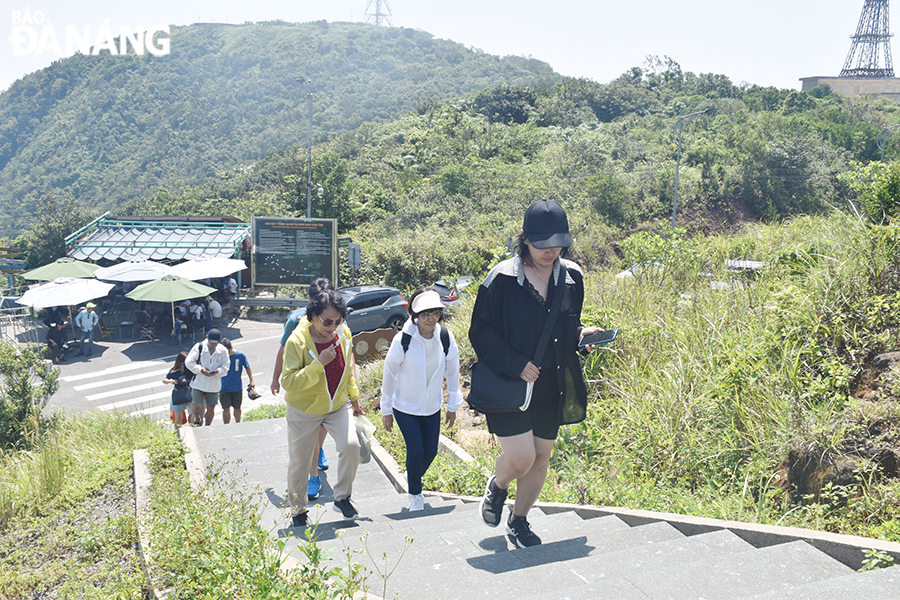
231	399
541	418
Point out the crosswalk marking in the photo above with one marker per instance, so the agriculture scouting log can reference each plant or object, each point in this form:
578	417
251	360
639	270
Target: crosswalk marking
113	370
153	410
133	401
123	391
97	384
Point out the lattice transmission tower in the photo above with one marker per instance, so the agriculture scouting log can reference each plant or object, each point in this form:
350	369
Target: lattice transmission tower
382	14
871	43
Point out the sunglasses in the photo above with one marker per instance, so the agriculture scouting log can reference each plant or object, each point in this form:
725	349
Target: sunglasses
432	314
330	322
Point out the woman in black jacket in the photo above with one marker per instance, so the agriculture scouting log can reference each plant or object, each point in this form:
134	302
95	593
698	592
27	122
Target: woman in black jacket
509	314
179	376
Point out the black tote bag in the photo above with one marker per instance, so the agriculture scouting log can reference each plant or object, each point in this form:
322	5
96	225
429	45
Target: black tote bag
490	392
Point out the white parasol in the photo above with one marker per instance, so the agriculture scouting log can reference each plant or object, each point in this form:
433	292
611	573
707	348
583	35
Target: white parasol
202	268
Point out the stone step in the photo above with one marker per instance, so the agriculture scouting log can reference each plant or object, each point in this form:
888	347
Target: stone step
454	555
880	584
771	569
485	554
376	516
493	570
597	570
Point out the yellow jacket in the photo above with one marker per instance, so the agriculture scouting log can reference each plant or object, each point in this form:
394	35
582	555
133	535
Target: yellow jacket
303	377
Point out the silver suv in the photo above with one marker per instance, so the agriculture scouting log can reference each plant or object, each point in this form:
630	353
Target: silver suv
374	307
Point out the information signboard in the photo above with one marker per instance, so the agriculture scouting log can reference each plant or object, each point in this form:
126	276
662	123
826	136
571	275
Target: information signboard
293	251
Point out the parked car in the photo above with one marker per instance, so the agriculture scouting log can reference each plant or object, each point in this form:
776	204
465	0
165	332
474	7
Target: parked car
374	307
639	269
451	292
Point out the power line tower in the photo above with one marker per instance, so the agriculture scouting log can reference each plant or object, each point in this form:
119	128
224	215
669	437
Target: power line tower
382	14
871	41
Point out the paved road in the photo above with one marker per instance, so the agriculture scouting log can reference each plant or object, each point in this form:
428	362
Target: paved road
126	375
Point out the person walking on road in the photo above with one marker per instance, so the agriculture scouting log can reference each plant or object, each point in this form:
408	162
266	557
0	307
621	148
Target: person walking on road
180	377
320	389
232	394
208	361
86	320
315	483
420	357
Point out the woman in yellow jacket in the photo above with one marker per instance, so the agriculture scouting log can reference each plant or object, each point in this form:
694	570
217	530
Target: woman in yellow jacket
320	389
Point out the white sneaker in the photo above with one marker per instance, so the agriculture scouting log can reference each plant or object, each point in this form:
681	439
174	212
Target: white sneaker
416	502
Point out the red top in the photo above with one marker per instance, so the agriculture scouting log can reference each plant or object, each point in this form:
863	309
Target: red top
335	369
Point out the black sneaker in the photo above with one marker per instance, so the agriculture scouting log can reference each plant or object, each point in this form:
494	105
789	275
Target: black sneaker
520	530
345	508
299	520
492	503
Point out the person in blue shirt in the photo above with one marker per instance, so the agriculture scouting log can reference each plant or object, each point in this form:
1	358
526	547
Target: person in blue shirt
232	394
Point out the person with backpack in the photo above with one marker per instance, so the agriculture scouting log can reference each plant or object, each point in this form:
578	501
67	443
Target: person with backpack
421	356
209	362
197	313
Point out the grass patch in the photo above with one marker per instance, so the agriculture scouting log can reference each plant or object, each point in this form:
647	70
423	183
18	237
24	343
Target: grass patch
67	525
266	411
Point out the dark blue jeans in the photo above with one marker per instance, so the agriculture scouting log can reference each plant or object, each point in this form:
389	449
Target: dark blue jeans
89	336
421	436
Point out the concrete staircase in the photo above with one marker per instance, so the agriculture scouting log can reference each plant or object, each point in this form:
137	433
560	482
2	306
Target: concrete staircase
587	553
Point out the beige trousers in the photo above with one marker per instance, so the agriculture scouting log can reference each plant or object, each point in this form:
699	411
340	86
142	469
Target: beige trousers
302	445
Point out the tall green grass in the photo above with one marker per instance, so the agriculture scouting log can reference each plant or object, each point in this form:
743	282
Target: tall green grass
68	462
67	524
710	388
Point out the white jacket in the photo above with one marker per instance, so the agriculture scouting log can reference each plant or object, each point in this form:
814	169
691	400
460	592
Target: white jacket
404	387
218	362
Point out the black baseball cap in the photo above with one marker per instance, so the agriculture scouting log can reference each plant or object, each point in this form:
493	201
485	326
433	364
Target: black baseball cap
546	225
213	335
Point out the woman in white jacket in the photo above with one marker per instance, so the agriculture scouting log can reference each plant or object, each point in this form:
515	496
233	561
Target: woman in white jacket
421	356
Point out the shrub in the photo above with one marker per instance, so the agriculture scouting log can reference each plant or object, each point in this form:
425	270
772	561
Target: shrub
27	383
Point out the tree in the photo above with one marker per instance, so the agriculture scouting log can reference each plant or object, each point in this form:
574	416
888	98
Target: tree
331	172
27	382
878	188
611	198
57	219
505	104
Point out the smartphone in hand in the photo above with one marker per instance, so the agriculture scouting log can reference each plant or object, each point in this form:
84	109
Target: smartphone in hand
599	337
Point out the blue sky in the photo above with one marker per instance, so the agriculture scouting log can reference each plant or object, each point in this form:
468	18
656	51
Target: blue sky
766	42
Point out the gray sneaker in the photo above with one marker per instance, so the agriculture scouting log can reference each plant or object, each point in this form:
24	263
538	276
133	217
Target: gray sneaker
492	503
520	530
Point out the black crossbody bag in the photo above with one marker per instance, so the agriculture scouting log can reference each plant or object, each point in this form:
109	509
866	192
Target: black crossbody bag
490	392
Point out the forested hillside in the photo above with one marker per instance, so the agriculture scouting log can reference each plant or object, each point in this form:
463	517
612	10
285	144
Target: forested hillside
437	191
103	129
